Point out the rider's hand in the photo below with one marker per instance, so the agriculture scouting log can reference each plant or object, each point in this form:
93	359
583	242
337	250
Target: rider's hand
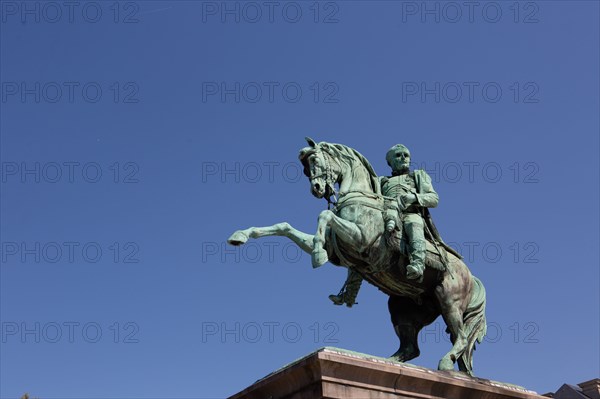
408	199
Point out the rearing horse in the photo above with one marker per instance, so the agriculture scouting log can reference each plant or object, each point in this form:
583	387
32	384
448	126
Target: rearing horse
353	235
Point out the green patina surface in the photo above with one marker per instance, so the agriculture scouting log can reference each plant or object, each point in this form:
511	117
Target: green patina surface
380	229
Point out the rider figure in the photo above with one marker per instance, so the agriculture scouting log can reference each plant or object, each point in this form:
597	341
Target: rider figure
413	192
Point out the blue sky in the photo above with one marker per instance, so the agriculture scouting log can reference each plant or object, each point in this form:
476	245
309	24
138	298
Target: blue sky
137	136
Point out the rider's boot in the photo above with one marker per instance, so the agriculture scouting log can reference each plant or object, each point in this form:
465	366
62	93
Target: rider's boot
341	299
414	271
337	299
349	291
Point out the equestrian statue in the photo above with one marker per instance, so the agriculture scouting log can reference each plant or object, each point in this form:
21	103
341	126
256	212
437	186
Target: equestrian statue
381	230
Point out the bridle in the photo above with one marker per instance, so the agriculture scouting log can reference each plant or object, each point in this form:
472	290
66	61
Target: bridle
327	174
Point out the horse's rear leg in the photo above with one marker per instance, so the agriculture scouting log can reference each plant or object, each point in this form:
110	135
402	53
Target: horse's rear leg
453	319
408	319
303	240
453	297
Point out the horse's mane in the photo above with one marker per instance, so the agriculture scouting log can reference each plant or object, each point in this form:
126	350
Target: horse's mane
350	154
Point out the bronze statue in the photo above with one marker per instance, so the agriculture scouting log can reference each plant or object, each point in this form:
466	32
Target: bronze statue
363	232
407	211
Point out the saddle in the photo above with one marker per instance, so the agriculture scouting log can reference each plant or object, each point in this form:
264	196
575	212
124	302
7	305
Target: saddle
433	259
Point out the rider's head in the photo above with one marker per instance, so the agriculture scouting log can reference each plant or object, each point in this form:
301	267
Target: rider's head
398	158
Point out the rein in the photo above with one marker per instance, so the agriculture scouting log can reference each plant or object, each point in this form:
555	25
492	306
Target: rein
329	179
370	200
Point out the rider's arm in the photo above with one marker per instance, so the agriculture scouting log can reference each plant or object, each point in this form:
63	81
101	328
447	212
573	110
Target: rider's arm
426	195
382	180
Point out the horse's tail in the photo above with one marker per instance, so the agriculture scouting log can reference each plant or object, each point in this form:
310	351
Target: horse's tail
475	325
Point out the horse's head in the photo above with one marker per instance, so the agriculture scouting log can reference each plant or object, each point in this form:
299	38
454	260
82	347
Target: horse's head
320	167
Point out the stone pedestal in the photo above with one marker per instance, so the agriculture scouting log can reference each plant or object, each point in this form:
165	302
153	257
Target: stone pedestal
332	373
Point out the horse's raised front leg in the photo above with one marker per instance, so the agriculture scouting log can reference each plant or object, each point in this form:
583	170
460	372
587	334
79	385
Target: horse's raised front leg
347	231
303	240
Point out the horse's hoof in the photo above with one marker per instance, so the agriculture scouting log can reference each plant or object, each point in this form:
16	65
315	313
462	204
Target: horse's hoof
395	358
404	356
319	257
446	364
237	238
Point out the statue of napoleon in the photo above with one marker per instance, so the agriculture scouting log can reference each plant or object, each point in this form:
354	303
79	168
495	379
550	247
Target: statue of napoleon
380	230
408	212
